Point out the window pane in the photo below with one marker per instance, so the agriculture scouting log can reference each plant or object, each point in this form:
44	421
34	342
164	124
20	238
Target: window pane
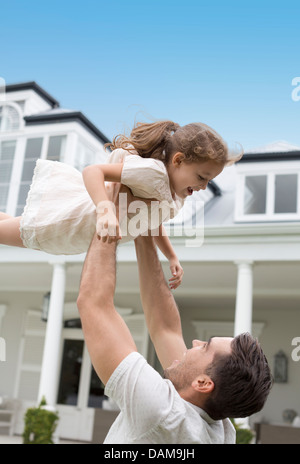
3	195
255	195
33	148
84	156
23	192
32	153
7	154
7	150
28	168
70	372
56	148
5	171
96	393
19	210
286	191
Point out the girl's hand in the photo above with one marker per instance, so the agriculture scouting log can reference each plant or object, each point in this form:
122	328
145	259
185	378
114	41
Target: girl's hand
107	225
177	273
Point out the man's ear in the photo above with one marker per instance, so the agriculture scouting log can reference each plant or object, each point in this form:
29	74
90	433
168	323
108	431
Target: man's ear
203	384
178	158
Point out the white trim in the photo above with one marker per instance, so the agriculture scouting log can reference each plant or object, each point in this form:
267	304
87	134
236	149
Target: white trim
16	175
270	200
3	309
207	329
85	379
266	167
26	332
30	367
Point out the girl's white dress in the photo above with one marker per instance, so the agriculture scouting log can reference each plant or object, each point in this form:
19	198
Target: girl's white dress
60	216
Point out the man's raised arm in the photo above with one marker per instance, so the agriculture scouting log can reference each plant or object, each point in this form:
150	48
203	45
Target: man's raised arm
107	336
161	312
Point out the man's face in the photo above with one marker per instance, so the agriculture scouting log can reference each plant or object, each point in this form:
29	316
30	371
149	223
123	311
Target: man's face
196	360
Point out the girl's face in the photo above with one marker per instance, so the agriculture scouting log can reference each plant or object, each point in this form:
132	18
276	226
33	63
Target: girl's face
185	177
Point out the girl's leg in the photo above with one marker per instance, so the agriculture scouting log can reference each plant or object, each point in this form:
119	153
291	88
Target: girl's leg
10	231
4	216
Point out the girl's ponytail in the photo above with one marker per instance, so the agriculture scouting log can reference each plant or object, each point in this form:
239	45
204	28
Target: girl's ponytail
148	139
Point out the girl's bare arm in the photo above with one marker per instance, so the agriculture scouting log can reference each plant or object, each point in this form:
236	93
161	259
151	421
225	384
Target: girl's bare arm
94	178
164	244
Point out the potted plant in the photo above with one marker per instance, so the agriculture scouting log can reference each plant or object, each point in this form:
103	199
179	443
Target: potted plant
244	436
40	425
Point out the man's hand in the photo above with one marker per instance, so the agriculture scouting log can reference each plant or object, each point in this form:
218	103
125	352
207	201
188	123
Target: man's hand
107	226
111	213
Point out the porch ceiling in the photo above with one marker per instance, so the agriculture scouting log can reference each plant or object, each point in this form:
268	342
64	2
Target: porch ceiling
272	282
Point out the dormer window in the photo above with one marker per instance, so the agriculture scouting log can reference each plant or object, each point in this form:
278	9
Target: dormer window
271	195
10	117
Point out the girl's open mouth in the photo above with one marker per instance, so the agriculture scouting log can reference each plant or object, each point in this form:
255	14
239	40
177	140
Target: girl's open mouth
190	191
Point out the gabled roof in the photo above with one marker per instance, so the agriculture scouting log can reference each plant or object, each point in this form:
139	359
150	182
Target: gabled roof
58	115
276	151
33	86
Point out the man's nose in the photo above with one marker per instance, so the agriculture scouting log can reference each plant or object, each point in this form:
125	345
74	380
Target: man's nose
197	343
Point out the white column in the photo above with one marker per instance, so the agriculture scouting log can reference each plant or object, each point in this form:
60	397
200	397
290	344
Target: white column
51	356
2	314
244	297
2	340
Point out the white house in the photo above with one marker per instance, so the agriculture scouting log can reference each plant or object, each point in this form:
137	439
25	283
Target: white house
241	260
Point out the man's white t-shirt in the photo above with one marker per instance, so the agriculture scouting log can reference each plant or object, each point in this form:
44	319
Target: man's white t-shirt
153	412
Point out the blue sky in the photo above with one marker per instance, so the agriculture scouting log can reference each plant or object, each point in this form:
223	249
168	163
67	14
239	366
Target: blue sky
229	64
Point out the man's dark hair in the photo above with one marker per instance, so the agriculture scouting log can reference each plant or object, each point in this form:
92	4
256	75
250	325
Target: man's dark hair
242	380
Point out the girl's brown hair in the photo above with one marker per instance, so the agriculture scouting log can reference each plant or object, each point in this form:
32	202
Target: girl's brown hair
161	140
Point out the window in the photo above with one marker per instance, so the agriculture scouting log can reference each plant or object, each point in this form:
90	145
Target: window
32	153
72	367
255	195
70	372
84	156
268	197
96	392
286	189
10	119
7	154
56	148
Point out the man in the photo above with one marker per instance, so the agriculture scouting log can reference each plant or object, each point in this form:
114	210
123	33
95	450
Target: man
204	385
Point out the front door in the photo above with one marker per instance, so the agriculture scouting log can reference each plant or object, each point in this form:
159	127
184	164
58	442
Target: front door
79	389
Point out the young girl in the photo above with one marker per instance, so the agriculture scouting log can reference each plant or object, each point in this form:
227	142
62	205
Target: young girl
160	161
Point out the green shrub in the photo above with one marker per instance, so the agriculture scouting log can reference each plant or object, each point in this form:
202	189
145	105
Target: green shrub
243	436
40	424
